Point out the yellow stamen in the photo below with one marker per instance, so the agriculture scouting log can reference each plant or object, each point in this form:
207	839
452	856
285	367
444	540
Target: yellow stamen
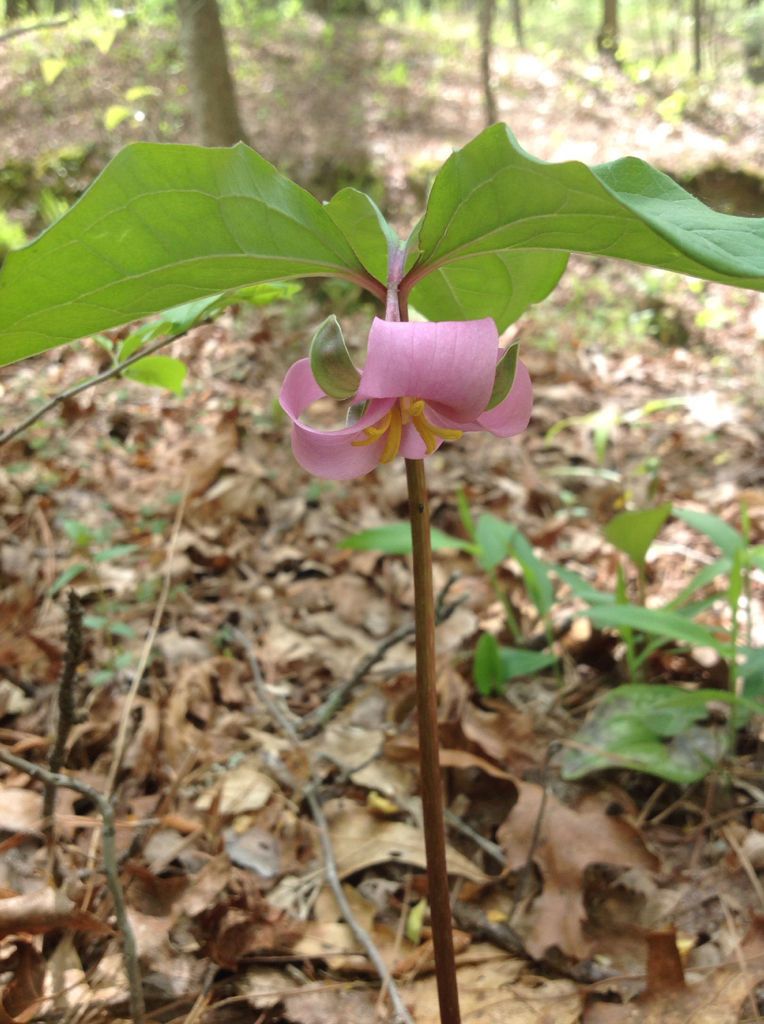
393	442
428	431
374	433
407	410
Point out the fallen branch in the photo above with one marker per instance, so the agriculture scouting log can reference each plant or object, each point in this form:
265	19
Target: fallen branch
129	949
77	389
282	722
23	29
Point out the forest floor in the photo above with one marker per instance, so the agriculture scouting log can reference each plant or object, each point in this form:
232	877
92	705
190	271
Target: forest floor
210	570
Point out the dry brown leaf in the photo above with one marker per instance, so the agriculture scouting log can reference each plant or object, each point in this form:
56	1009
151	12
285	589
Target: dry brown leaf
569	841
20	811
331	1006
20	998
361	840
66	985
44	910
504	733
499	992
240	789
210	456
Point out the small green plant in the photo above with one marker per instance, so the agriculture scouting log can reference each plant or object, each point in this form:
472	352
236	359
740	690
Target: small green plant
679	739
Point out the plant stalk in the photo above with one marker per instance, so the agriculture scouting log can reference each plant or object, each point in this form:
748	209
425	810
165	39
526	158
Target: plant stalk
427	709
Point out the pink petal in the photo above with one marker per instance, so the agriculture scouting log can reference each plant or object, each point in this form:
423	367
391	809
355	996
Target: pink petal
412	445
451	365
328	453
512	415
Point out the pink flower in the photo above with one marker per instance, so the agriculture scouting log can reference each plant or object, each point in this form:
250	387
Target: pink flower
423	384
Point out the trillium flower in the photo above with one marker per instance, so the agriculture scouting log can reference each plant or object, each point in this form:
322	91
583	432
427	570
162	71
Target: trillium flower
422	384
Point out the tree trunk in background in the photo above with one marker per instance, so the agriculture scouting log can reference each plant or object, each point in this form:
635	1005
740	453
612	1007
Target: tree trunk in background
15	8
486	13
607	37
213	97
517	23
697	35
754	42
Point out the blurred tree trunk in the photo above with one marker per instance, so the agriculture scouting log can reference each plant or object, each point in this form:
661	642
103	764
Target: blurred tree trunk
15	8
754	42
607	37
697	35
486	14
213	97
517	23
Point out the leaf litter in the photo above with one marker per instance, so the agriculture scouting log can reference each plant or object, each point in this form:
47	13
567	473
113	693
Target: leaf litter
219	856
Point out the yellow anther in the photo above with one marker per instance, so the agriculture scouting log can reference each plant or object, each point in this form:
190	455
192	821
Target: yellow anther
393	443
374	433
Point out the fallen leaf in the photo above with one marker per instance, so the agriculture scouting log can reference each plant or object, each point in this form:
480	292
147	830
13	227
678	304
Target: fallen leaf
361	840
569	840
499	991
240	789
44	910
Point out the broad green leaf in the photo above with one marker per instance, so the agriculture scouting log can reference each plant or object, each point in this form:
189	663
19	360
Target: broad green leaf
634	532
395	539
660	730
501	285
656	622
365	229
114	552
752	673
161	226
726	537
491	199
159	372
330	361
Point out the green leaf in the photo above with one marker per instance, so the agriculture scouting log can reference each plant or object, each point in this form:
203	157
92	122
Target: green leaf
634	532
496	540
501	285
115	115
660	730
491	200
116	551
66	577
159	372
495	665
656	622
164	225
365	229
395	539
51	68
581	587
506	368
726	537
486	666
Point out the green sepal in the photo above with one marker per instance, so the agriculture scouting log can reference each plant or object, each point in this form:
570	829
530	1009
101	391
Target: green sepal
506	368
330	361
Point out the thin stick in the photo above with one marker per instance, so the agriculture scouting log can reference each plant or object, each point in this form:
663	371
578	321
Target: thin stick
284	725
317	719
76	389
66	712
129	949
427	708
125	718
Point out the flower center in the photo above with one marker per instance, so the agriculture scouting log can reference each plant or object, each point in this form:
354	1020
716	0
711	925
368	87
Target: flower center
405	411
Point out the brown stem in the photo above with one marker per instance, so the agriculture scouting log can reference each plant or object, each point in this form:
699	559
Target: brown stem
427	709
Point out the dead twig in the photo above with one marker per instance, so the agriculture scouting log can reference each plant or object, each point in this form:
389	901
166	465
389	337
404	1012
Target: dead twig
66	713
284	725
105	809
23	29
318	719
77	389
126	716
